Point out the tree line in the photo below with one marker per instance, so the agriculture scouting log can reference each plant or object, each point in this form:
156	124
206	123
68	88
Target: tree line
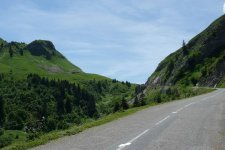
25	102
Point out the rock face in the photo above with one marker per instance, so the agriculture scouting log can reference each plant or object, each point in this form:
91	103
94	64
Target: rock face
216	77
201	61
43	48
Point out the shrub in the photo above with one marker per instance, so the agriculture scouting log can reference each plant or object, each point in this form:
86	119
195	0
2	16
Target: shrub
73	118
62	125
143	102
33	134
1	131
17	136
51	124
116	107
124	104
136	102
14	121
5	141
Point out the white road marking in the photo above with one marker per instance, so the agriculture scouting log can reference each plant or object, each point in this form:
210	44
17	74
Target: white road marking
177	110
162	120
121	146
138	136
180	109
189	104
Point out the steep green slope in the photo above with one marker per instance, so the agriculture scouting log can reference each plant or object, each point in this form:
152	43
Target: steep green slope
200	62
39	57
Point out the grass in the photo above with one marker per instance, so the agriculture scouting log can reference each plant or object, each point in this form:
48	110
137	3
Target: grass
12	136
73	130
23	65
165	94
20	145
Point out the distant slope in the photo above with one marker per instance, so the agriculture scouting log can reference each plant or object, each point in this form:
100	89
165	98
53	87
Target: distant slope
201	61
41	57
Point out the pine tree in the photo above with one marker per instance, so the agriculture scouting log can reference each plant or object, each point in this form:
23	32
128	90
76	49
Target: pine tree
91	106
99	87
44	109
21	52
10	52
116	107
68	106
128	84
136	102
143	102
2	111
184	48
60	95
124	104
60	106
2	45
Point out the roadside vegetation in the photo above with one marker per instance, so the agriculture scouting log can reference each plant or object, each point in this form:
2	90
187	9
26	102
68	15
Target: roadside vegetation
37	109
166	93
35	106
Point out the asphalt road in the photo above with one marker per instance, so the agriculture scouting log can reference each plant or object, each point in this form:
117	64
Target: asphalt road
196	123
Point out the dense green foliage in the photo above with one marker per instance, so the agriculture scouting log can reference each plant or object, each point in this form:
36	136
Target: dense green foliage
37	99
165	93
37	105
110	93
11	136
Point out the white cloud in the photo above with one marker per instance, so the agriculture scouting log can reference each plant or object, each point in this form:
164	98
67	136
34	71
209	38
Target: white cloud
121	39
224	8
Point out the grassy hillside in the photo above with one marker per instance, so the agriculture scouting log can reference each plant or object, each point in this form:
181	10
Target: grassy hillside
42	58
42	92
199	62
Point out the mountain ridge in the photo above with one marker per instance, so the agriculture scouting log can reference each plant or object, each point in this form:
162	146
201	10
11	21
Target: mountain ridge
199	62
41	57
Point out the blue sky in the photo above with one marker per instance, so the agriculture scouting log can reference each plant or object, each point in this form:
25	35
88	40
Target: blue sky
122	39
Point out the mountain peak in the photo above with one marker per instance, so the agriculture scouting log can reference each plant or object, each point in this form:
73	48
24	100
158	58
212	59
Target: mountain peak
21	58
43	48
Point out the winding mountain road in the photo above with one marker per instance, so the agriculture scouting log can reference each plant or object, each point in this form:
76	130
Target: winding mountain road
196	123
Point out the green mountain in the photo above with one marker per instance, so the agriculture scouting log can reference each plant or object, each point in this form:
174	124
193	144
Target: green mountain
199	62
39	57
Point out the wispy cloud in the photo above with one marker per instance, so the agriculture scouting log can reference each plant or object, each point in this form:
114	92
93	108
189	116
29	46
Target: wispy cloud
120	39
224	8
